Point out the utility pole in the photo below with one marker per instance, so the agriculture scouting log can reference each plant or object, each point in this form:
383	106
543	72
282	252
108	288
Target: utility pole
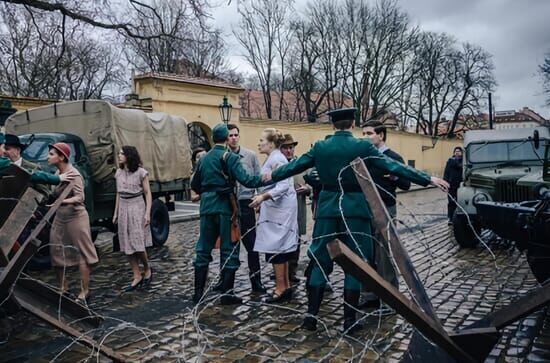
490	111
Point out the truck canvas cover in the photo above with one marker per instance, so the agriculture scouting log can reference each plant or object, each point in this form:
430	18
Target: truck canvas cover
161	139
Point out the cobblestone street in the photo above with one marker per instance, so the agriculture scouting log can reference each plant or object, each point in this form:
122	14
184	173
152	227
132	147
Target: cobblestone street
159	323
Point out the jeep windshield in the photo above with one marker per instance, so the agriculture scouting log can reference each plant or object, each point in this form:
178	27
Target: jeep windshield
37	151
504	152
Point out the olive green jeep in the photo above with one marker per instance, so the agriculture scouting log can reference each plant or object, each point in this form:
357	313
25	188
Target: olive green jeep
499	166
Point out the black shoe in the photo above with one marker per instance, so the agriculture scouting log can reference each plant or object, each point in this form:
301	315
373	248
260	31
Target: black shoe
218	286
351	299
369	304
147	281
228	297
200	281
133	287
256	283
314	299
286	296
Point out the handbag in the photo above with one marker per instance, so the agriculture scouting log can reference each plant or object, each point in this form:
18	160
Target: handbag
116	243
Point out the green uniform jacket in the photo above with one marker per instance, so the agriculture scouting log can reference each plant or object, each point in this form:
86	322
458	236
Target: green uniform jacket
39	177
332	155
209	179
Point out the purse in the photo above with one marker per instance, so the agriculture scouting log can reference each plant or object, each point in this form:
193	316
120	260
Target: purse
116	243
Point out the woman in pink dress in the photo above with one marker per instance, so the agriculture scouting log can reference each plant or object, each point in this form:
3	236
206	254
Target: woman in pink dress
132	214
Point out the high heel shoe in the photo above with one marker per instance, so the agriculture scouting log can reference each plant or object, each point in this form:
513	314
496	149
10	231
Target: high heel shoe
133	287
147	281
286	296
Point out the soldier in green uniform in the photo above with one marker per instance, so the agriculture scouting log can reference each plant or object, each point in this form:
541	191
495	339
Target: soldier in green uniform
214	179
331	158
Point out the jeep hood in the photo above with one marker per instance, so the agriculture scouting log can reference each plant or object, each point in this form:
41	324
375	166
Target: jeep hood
505	173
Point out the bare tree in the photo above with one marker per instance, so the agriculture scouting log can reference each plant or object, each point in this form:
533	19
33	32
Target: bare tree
40	59
475	80
544	70
108	15
260	24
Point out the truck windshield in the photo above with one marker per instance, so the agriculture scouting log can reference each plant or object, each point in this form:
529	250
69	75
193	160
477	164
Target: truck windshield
37	151
504	151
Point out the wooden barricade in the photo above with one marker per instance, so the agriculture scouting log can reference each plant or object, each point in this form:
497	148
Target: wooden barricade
472	344
17	290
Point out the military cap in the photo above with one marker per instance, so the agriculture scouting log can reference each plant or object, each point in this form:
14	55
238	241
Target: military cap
220	133
342	114
2	138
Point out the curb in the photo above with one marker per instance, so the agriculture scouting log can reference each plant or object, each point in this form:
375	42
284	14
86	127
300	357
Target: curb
184	218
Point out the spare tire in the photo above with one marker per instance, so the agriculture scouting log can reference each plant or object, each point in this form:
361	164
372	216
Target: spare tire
160	222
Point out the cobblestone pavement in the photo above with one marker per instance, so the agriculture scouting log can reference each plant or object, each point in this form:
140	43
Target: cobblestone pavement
464	286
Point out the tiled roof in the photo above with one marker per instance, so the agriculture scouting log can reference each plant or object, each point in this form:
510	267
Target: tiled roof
187	79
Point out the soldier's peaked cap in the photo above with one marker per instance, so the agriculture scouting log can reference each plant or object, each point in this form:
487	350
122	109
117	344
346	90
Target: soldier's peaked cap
220	132
342	114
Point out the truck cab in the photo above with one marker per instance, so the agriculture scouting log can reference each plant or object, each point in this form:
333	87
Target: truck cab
497	167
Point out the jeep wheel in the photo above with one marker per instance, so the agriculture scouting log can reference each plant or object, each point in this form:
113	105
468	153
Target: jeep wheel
160	222
464	234
538	257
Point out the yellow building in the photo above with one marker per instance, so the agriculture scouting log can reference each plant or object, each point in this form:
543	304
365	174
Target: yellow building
197	101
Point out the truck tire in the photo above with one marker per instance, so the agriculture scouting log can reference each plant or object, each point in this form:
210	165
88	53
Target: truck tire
464	234
160	222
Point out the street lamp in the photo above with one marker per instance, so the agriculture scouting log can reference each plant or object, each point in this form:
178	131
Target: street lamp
225	110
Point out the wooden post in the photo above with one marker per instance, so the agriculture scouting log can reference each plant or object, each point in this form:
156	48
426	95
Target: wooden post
384	225
361	270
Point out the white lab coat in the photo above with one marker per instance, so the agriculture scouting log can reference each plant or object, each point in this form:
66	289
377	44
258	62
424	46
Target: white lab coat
277	230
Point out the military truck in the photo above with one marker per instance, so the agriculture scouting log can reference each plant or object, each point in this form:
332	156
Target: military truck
527	223
95	131
498	166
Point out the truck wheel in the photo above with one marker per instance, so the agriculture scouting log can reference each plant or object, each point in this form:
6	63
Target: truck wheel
464	234
160	222
538	257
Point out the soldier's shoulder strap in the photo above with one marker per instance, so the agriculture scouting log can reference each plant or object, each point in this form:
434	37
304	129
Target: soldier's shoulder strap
225	168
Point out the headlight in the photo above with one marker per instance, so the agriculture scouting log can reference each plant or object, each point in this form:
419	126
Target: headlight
481	197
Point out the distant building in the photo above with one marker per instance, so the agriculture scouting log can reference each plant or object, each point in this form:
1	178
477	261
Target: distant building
518	119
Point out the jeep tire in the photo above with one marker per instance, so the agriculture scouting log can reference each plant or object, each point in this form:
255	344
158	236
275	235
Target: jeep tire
160	222
464	234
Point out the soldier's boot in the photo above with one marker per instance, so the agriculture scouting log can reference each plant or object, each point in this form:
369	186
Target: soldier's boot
218	287
200	281
314	299
228	297
256	283
351	303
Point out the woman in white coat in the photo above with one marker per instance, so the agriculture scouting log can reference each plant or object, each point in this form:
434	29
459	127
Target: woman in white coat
277	230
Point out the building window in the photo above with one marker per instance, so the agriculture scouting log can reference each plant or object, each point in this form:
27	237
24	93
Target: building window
411	163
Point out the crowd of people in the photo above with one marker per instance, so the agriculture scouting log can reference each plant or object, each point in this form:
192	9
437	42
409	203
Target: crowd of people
273	189
70	239
261	205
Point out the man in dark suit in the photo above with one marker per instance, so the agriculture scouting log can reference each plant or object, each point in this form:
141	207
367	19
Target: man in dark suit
12	150
453	176
387	184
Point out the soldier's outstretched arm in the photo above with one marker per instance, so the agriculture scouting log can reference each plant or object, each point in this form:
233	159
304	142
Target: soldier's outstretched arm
297	166
375	159
239	173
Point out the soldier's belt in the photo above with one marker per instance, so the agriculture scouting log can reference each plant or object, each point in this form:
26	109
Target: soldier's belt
347	188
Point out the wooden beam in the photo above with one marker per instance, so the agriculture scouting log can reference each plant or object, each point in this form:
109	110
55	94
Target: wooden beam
383	223
18	219
27	303
361	270
518	309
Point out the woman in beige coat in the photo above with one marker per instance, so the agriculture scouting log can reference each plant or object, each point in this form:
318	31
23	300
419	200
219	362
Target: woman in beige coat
70	237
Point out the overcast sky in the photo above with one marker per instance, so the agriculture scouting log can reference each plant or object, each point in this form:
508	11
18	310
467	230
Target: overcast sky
516	33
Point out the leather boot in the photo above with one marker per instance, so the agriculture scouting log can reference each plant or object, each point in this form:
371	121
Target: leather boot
314	299
256	283
351	299
228	297
200	281
218	287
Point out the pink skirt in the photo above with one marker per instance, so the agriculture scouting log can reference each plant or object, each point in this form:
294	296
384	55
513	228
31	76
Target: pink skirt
133	235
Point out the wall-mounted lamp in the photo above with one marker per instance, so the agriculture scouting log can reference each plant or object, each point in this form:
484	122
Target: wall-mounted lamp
225	110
